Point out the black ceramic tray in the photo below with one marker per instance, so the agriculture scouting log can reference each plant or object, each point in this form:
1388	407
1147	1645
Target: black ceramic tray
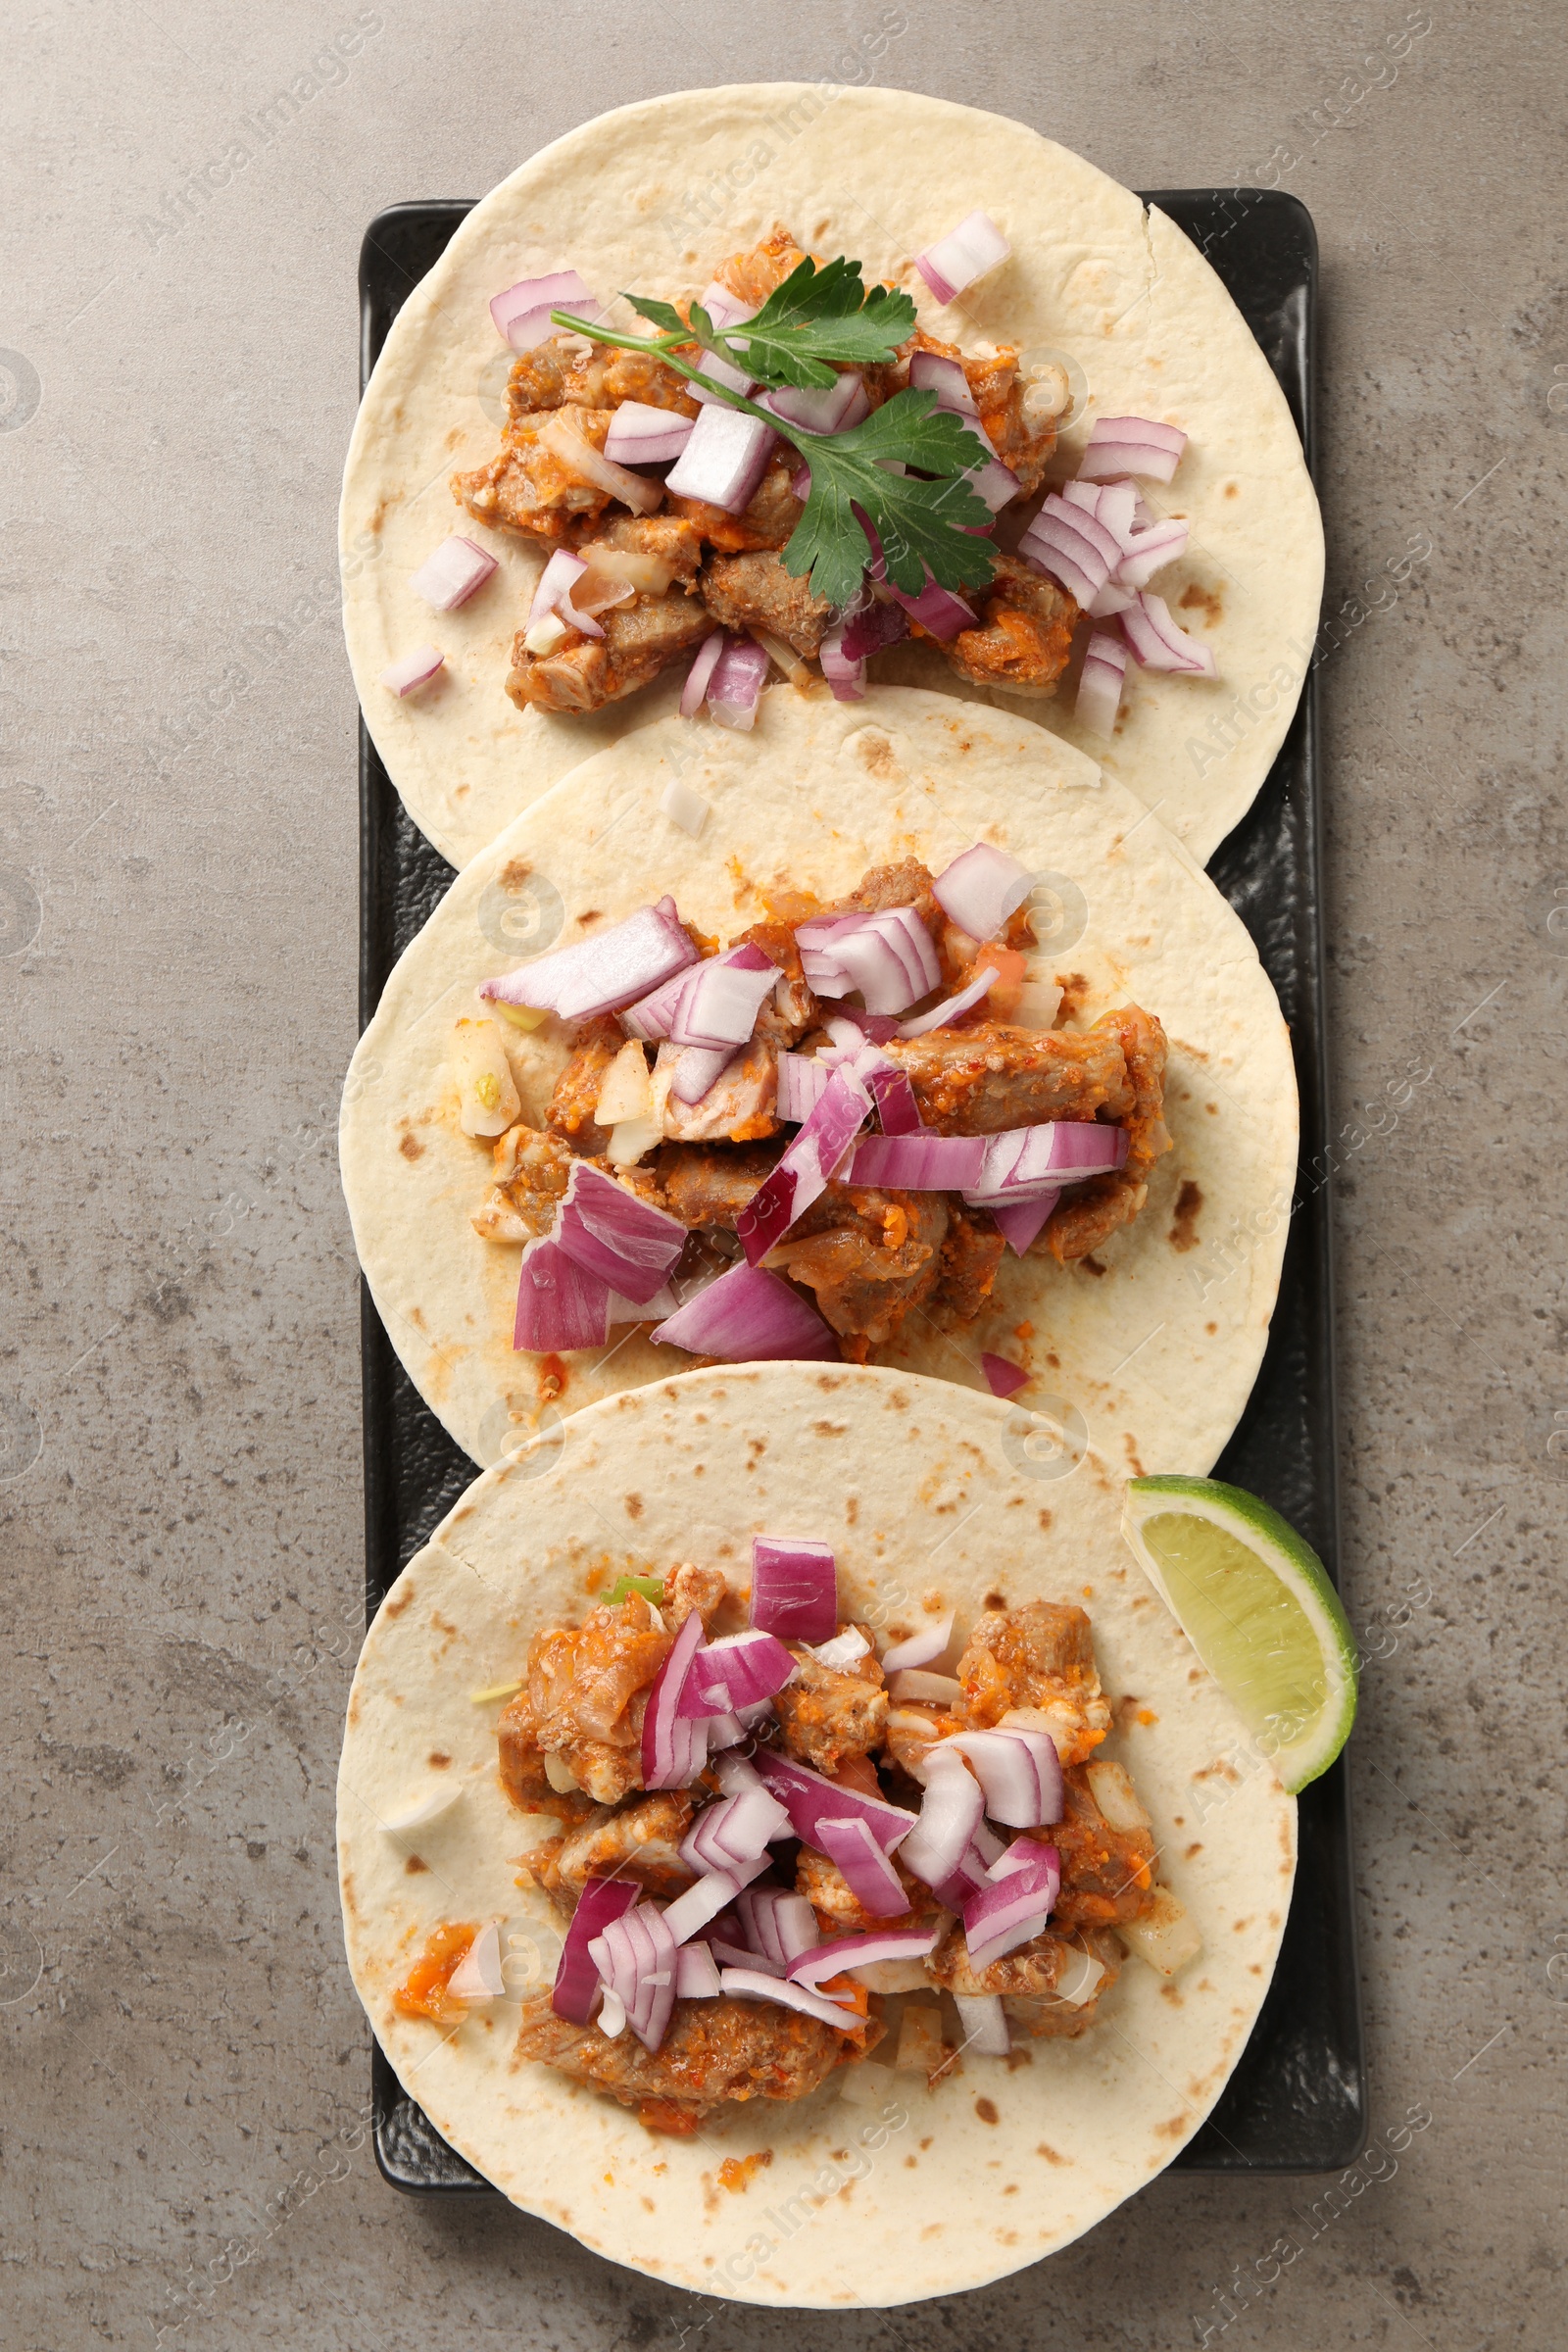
1297	2102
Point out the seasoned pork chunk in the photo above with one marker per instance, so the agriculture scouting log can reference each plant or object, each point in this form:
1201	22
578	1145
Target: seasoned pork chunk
531	1173
1091	1212
979	1081
1037	1660
870	1256
768	521
830	1715
1107	1875
1027	1978
714	2051
756	592
704	1187
571	1106
738	1107
531	484
636	1840
1025	636
583	674
584	1700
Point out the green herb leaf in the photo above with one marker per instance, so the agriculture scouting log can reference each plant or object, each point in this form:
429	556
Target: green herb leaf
920	523
652	1587
816	316
660	313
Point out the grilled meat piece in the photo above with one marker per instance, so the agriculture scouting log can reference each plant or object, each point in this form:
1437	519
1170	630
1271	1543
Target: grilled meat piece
737	1108
1026	1978
1107	1875
971	1255
829	1893
601	378
979	1081
531	1172
571	1105
830	1714
869	1254
705	1187
1038	1658
752	274
1023	439
792	1009
637	1840
1025	636
768	521
689	1587
714	2051
583	674
665	538
1091	1212
754	592
530	486
584	1700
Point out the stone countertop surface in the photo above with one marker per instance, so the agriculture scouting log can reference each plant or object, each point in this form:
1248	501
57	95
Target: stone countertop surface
179	1463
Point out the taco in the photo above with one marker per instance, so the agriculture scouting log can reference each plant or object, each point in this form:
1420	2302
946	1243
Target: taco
987	426
785	1843
1058	1151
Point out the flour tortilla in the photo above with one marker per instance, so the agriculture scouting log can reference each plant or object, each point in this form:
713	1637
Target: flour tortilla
1148	1351
650	199
929	1504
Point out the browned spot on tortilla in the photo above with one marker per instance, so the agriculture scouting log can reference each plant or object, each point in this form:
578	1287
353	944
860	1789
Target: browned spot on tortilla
395	1608
852	1509
874	752
1183	1234
1132	1454
1172	2128
1011	2190
912	2160
1240	1925
898	1402
414	1866
1049	2154
438	1760
515	873
1168	1992
830	1429
1054	1359
1197	598
926	2142
591	915
1016	2058
996	1600
1092	1265
1196	1847
1255	1968
1212	1329
410	1147
634	1507
1212	1110
1232	489
455	437
1045	1523
1073	989
986	2110
757	1445
648	2206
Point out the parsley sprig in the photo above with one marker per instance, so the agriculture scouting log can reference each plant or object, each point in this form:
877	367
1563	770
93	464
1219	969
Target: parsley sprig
924	518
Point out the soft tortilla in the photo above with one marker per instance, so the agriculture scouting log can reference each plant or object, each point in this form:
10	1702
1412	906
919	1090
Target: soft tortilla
650	199
1146	1352
928	1503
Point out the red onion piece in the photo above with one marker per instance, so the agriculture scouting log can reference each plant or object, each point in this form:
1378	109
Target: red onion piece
896	1105
627	1242
554	593
995	484
723	308
642	1310
845	676
673	1746
843	1952
795	1588
1157	642
919	1648
871	627
950	1006
635	1955
749	1317
1019	1771
835	409
806	1168
1020	1222
951	1812
725	459
560	1306
522	312
887	956
934	372
702	670
981	888
722	996
919	1163
401	678
576	1986
603	973
450	576
801	1080
736	1672
940	612
713	1893
1073	547
964	254
754	1984
1149	551
737	1829
1002	1377
984	2024
699	1070
779	1925
723	371
563	436
1014	1906
642	436
1099	683
1131	445
736	683
850	1843
696	1973
806	1796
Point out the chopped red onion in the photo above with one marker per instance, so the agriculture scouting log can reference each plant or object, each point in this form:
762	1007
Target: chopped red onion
835	409
801	1080
919	1163
628	1243
1073	546
576	1986
673	1746
723	308
919	1649
725	459
806	1796
560	1304
846	676
564	438
993	483
951	1812
450	576
522	312
807	1167
1020	1222
934	372
713	1893
1002	1377
603	973
749	1317
401	678
736	682
1014	1907
725	372
1022	1160
699	1069
1157	642
896	1105
850	1843
795	1588
696	1973
721	998
984	2024
754	1984
736	1830
1131	445
940	612
950	1006
736	1672
635	1956
1149	552
642	436
779	1925
702	670
841	1953
981	888
970	1874
887	956
1099	683
1019	1771
871	627
964	254
554	593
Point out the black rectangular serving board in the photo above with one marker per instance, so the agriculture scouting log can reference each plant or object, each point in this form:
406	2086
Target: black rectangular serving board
1297	2102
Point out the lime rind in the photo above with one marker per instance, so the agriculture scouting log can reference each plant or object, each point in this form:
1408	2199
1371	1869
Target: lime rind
1272	1540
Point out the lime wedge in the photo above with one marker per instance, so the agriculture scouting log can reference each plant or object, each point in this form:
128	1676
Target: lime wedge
1256	1604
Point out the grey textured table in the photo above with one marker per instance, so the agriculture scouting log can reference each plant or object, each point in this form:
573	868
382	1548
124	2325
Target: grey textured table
180	1493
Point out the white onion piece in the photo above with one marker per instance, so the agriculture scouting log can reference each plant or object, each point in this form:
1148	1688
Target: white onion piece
683	806
477	1975
553	596
835	409
735	686
612	2018
450	576
702	670
919	1650
1157	642
1099	684
696	1973
401	678
1165	1936
842	1652
522	312
1110	1786
950	1006
1131	445
1079	1981
754	1984
723	462
980	888
984	2024
589	464
914	1686
642	436
964	254
437	1799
